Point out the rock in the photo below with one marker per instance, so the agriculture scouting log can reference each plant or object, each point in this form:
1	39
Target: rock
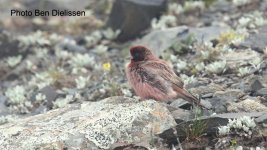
210	88
160	40
255	85
56	4
235	59
247	105
181	115
209	124
221	98
178	103
3	107
92	125
51	95
218	105
132	17
257	41
230	94
208	95
209	33
261	92
8	46
262	119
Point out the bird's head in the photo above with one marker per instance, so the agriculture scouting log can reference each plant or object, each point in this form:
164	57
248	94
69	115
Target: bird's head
141	53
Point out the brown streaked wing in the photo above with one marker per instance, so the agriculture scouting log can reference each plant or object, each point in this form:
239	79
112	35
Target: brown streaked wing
164	71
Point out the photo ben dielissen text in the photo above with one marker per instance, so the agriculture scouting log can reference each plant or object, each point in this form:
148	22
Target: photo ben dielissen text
53	12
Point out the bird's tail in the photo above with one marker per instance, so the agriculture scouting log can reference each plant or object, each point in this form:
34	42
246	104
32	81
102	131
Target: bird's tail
184	94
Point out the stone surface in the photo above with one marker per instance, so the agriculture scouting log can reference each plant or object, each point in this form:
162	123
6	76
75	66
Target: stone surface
134	16
229	94
210	125
160	40
91	125
178	103
262	119
261	92
255	85
8	46
235	59
181	115
205	89
3	108
257	41
221	98
247	105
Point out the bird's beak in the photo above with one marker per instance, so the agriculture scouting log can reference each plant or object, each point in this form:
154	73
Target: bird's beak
129	57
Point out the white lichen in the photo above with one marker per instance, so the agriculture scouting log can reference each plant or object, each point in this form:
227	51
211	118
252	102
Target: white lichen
251	20
41	80
126	92
13	61
200	66
243	71
36	38
224	130
216	67
242	126
164	22
61	102
81	60
100	49
111	34
188	79
16	95
181	65
41	52
175	8
81	82
30	66
93	38
191	5
40	97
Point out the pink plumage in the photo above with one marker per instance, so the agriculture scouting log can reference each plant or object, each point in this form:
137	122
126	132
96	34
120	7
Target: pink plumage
151	77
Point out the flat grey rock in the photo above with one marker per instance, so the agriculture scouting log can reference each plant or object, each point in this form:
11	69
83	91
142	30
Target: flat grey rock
98	125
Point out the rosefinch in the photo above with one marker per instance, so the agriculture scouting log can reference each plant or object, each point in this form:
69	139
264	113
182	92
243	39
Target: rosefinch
151	77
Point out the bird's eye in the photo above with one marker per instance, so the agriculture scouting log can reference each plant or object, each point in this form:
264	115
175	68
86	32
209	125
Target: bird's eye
136	54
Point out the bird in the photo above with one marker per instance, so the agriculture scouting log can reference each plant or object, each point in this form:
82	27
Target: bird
153	78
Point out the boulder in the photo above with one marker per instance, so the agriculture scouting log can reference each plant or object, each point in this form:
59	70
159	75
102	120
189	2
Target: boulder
132	17
92	125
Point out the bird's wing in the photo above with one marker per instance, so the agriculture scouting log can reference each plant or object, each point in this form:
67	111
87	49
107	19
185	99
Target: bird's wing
163	70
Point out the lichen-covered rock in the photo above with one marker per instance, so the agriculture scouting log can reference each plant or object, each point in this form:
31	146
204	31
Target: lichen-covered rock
93	125
247	105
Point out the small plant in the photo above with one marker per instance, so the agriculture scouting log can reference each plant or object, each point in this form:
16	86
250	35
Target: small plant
40	97
164	22
231	37
243	126
244	71
197	128
183	46
251	20
188	79
16	95
13	61
217	67
81	82
110	34
206	52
